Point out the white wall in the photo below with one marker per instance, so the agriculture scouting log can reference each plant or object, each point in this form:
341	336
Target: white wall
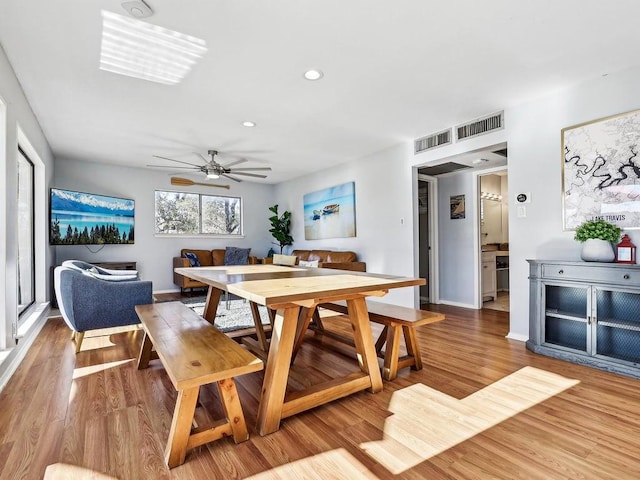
384	213
19	121
457	262
154	254
535	166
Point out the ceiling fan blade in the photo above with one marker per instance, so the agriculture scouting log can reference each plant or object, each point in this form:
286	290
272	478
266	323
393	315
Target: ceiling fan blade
235	162
202	157
248	174
230	177
250	168
172	167
185	182
174	160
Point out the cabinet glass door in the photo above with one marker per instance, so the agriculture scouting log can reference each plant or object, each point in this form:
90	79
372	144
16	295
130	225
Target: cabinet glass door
618	324
567	310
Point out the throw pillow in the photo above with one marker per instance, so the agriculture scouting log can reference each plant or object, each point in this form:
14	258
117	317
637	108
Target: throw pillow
284	259
111	278
236	256
193	259
308	263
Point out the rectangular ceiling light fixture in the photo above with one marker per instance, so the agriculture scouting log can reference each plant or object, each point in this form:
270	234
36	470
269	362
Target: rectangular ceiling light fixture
139	49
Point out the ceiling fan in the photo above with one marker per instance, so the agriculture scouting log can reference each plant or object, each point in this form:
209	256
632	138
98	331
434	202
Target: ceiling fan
213	169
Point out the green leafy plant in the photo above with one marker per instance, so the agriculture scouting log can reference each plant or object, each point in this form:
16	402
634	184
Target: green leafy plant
280	227
597	229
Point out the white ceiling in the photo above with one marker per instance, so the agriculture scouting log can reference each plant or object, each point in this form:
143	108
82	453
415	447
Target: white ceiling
394	71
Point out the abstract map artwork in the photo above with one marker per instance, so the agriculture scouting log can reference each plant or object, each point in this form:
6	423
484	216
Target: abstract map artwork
601	171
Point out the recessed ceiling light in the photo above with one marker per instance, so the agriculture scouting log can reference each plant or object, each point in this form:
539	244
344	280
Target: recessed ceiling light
479	160
249	124
313	74
139	49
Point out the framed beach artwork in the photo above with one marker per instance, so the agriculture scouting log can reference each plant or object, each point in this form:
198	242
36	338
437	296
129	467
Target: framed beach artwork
601	171
330	213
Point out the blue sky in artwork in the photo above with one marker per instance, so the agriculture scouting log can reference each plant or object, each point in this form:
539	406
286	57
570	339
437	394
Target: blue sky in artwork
330	193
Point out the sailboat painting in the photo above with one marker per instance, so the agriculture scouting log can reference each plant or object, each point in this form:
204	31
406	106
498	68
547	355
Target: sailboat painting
330	213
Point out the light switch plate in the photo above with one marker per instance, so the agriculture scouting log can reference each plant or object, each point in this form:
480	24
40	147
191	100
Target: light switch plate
522	211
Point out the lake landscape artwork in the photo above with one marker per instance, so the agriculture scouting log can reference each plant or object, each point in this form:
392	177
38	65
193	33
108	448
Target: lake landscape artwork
330	213
79	218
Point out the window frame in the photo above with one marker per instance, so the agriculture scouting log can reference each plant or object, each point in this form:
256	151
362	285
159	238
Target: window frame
200	233
22	154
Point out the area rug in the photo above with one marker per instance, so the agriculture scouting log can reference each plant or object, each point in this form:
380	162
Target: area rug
237	317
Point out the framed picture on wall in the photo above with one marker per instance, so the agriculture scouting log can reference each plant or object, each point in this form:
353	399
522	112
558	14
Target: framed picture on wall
457	206
601	171
330	213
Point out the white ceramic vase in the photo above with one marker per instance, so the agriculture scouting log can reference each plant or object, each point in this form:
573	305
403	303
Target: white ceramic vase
596	250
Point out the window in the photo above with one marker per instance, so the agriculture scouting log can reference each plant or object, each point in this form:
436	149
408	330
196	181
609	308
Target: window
179	213
26	229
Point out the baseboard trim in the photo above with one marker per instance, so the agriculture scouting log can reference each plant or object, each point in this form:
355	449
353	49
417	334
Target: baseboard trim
166	291
517	336
458	304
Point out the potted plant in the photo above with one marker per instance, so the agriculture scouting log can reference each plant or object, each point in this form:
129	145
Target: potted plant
597	237
280	226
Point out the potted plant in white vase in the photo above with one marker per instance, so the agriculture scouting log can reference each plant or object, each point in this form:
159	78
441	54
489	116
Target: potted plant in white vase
598	238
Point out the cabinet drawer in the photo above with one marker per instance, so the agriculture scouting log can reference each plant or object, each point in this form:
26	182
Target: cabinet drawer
489	256
616	275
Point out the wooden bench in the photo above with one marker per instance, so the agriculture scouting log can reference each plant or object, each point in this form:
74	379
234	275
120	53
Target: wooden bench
395	319
195	353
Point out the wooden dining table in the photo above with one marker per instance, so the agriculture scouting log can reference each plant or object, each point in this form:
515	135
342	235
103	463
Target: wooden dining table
293	293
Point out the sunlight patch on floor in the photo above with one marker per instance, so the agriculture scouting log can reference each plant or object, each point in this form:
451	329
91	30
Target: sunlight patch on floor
91	369
63	471
335	464
427	422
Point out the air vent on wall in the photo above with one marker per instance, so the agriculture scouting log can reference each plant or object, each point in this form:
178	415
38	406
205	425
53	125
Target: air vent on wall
432	141
480	126
447	167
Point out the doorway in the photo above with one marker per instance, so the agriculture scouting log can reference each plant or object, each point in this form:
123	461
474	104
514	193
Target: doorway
424	242
494	240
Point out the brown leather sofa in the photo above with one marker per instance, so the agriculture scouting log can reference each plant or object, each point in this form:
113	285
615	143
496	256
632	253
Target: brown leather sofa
329	259
207	258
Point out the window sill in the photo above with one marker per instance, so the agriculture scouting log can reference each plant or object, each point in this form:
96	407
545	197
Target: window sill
33	314
194	235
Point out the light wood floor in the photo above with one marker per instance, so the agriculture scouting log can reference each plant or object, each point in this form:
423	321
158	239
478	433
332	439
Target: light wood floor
482	407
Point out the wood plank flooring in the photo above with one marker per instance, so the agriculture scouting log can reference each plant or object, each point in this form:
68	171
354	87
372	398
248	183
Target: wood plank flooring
482	407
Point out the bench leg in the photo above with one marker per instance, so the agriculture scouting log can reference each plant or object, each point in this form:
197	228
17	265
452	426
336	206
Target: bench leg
413	350
391	353
382	339
145	352
233	409
176	450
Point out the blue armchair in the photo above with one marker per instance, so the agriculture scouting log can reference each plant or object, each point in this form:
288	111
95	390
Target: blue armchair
90	300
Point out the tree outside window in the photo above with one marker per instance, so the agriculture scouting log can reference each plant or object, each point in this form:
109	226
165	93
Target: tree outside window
181	213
